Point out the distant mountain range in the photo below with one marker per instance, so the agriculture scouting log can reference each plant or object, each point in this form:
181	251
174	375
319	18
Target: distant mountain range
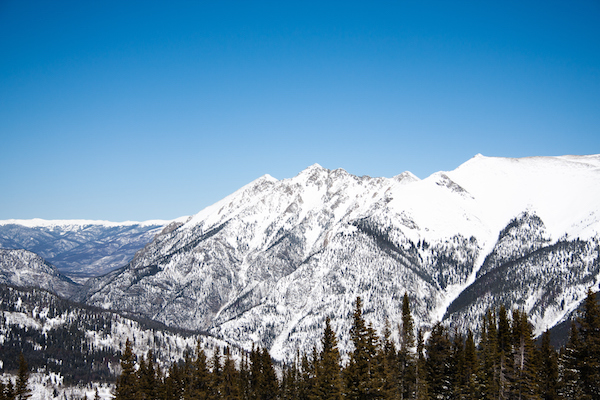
80	248
270	262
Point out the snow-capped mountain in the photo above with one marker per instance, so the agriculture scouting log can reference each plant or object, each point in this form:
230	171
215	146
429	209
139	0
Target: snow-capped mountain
80	248
270	262
26	269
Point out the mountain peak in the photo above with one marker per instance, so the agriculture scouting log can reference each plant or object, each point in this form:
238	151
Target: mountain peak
314	168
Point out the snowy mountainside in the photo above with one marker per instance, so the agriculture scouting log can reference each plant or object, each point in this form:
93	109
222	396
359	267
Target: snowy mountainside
26	269
80	248
81	344
270	262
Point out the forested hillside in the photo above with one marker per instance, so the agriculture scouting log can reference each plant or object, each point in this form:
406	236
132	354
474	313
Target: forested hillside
81	344
398	363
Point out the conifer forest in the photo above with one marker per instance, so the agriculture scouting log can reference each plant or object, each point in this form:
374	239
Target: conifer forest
504	363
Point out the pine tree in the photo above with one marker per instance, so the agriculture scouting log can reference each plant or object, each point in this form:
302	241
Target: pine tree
229	385
439	374
289	382
472	389
360	373
22	391
147	378
307	377
421	385
568	372
588	356
390	365
457	366
200	379
127	381
263	381
548	369
504	360
525	385
328	374
214	383
270	382
406	357
490	375
244	378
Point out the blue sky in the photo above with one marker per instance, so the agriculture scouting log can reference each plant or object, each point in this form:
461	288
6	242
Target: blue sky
154	110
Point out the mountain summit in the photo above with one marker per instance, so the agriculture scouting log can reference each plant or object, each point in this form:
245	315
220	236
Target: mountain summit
270	262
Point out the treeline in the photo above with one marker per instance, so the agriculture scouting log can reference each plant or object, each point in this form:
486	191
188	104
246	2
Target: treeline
506	363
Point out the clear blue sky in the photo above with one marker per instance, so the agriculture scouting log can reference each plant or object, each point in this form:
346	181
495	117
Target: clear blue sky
127	110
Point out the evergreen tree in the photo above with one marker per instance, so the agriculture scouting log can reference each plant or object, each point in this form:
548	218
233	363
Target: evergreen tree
307	377
214	385
127	381
289	382
471	389
490	375
406	357
439	374
22	390
360	373
457	366
328	374
504	359
229	384
569	386
244	378
270	382
199	384
548	369
588	356
147	378
171	388
421	386
263	381
525	385
390	365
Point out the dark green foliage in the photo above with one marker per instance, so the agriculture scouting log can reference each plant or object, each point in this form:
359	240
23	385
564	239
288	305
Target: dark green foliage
524	369
438	367
471	387
22	391
362	381
422	386
328	384
406	359
506	365
548	369
127	383
147	388
588	355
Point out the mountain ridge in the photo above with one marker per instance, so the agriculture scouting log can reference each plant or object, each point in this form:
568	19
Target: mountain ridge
267	263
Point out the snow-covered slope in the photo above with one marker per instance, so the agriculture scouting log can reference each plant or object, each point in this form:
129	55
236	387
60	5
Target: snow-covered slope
76	344
26	269
80	248
271	261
